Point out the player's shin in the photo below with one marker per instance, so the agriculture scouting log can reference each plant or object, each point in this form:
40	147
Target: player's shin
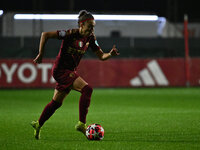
84	102
48	111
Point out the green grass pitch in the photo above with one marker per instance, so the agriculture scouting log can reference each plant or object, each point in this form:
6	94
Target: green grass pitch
139	119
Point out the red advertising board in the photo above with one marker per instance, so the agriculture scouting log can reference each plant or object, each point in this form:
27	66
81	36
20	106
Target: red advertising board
15	73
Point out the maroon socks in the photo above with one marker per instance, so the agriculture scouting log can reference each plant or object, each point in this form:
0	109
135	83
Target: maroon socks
48	111
84	102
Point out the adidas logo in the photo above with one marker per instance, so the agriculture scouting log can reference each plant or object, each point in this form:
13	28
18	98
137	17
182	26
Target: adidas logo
150	76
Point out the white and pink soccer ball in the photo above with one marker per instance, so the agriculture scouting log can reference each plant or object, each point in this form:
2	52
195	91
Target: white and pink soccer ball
95	132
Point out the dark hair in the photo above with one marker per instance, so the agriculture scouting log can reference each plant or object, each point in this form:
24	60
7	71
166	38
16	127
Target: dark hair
83	16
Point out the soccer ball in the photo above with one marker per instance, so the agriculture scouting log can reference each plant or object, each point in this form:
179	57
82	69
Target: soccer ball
95	132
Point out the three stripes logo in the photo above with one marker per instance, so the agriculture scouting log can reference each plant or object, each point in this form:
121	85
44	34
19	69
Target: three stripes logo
152	75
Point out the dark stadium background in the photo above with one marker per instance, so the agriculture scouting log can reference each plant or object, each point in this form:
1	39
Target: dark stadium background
158	46
173	10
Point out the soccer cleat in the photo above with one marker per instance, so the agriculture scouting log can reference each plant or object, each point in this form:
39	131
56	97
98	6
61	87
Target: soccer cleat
37	127
80	126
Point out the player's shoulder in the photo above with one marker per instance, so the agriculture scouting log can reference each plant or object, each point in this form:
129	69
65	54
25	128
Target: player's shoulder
72	31
92	36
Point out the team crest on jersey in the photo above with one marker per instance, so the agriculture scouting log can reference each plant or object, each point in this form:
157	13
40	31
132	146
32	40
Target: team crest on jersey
71	75
87	44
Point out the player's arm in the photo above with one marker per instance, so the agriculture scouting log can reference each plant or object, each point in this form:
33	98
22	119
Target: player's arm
104	56
44	38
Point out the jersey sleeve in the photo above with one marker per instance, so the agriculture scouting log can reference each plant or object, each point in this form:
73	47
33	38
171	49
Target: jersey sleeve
63	34
94	44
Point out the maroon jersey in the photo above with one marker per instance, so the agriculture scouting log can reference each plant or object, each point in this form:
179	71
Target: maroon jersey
73	48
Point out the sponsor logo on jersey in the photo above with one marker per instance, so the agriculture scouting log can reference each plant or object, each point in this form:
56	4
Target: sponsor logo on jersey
73	51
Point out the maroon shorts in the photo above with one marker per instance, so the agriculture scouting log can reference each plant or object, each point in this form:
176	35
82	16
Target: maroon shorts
64	79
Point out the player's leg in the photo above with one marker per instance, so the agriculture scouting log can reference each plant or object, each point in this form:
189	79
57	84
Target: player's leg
51	107
84	102
48	111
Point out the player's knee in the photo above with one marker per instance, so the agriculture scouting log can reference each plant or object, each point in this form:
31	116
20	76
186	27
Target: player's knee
87	90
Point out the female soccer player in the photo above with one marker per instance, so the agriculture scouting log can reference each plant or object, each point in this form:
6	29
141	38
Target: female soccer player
75	43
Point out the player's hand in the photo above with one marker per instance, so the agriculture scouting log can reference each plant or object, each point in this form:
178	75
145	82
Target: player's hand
38	59
114	51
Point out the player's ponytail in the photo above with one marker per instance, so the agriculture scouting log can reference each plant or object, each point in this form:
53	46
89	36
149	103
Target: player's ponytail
84	16
81	13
